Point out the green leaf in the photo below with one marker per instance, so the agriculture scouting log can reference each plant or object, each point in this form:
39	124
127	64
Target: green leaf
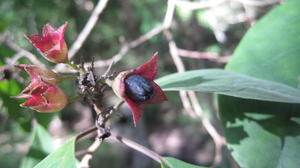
266	134
175	163
270	50
12	88
44	118
230	83
261	134
11	105
3	26
40	147
62	157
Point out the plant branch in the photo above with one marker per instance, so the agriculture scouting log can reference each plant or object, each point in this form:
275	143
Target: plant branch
86	132
218	139
212	3
153	155
153	32
87	28
175	52
125	47
258	3
203	55
84	163
7	39
166	24
12	61
103	133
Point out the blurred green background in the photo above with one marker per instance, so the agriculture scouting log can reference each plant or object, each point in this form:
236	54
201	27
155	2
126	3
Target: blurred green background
165	127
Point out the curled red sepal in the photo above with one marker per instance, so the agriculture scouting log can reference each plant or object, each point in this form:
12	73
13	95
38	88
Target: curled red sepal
36	72
51	43
148	71
42	94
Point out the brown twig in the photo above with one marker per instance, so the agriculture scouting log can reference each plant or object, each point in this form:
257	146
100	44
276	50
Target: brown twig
86	132
196	5
213	3
175	52
82	36
189	99
203	55
87	28
125	47
153	32
12	61
180	68
258	3
103	133
103	63
84	163
88	154
7	39
153	155
218	139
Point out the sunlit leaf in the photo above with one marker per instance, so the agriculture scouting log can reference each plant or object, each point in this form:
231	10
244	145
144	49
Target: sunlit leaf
175	163
264	134
231	84
41	146
62	157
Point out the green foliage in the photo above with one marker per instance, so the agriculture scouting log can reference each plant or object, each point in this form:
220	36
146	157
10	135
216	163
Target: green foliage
184	14
260	122
10	88
270	50
264	134
230	83
43	119
62	157
8	104
3	26
270	54
175	163
41	146
148	17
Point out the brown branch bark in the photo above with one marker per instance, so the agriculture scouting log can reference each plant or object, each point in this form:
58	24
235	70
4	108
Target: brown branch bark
217	138
153	155
8	41
90	24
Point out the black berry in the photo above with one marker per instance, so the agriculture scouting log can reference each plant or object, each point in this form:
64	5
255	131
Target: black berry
138	88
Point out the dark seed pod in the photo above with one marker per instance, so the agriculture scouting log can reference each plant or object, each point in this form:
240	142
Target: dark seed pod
138	88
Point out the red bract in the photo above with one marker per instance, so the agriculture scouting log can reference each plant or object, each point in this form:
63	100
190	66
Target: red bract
42	93
36	72
142	84
51	43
